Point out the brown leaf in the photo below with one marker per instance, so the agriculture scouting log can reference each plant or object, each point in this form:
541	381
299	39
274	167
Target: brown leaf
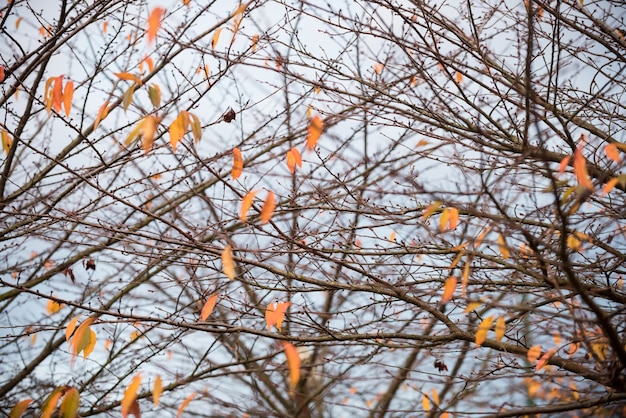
441	366
229	116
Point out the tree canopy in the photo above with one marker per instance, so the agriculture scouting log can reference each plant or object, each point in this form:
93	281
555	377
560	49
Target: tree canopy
287	208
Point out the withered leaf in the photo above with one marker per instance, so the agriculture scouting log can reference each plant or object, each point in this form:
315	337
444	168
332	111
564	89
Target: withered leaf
229	116
441	366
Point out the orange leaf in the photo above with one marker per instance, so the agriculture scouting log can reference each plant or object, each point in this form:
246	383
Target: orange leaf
609	185
275	314
148	130
431	209
19	408
472	307
57	94
154	23
316	126
53	307
533	353
294	158
129	77
448	289
130	395
483	329
425	403
17	22
255	41
51	402
102	114
454	218
268	208
459	77
500	328
208	307
580	169
105	27
228	264
157	390
68	95
83	339
216	37
246	204
504	248
183	405
564	163
177	130
71	327
237	164
465	276
544	359
392	236
378	68
6	141
612	152
293	360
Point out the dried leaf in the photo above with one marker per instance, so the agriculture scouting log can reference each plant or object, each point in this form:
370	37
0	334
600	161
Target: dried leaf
229	115
449	289
130	395
612	152
500	328
208	307
293	360
216	38
68	95
228	264
184	404
483	329
580	169
157	389
533	353
18	410
268	208
246	204
154	23
316	126
440	365
237	164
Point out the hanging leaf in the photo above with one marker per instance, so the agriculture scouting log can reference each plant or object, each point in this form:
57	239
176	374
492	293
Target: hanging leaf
228	264
154	93
275	314
246	204
500	328
177	129
129	77
157	389
6	141
101	115
483	329
69	405
84	339
53	307
208	307
19	408
183	405
50	404
430	209
443	219
580	169
154	23
544	359
465	276
425	403
294	362
472	307
128	97
294	158
216	38
607	187
459	77
504	248
448	289
237	18
237	164
196	128
130	395
392	236
255	41
268	208
316	126
71	327
68	95
378	68
564	163
57	94
148	130
612	152
533	353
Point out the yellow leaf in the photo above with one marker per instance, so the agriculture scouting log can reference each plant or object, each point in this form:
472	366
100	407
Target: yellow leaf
17	22
134	133
128	97
504	248
425	403
101	115
237	164
128	77
69	405
228	264
573	243
83	339
443	219
465	277
580	169
196	128
316	126
130	395
268	208
19	408
157	390
454	218
472	307
183	405
612	152
51	402
293	360
154	23
154	93
533	353
449	289
177	130
53	307
71	327
208	307
392	236
483	329
435	396
237	18
6	141
216	37
430	209
68	95
246	204
500	328
544	359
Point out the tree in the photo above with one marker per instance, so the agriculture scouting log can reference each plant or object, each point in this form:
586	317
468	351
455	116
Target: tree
288	208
